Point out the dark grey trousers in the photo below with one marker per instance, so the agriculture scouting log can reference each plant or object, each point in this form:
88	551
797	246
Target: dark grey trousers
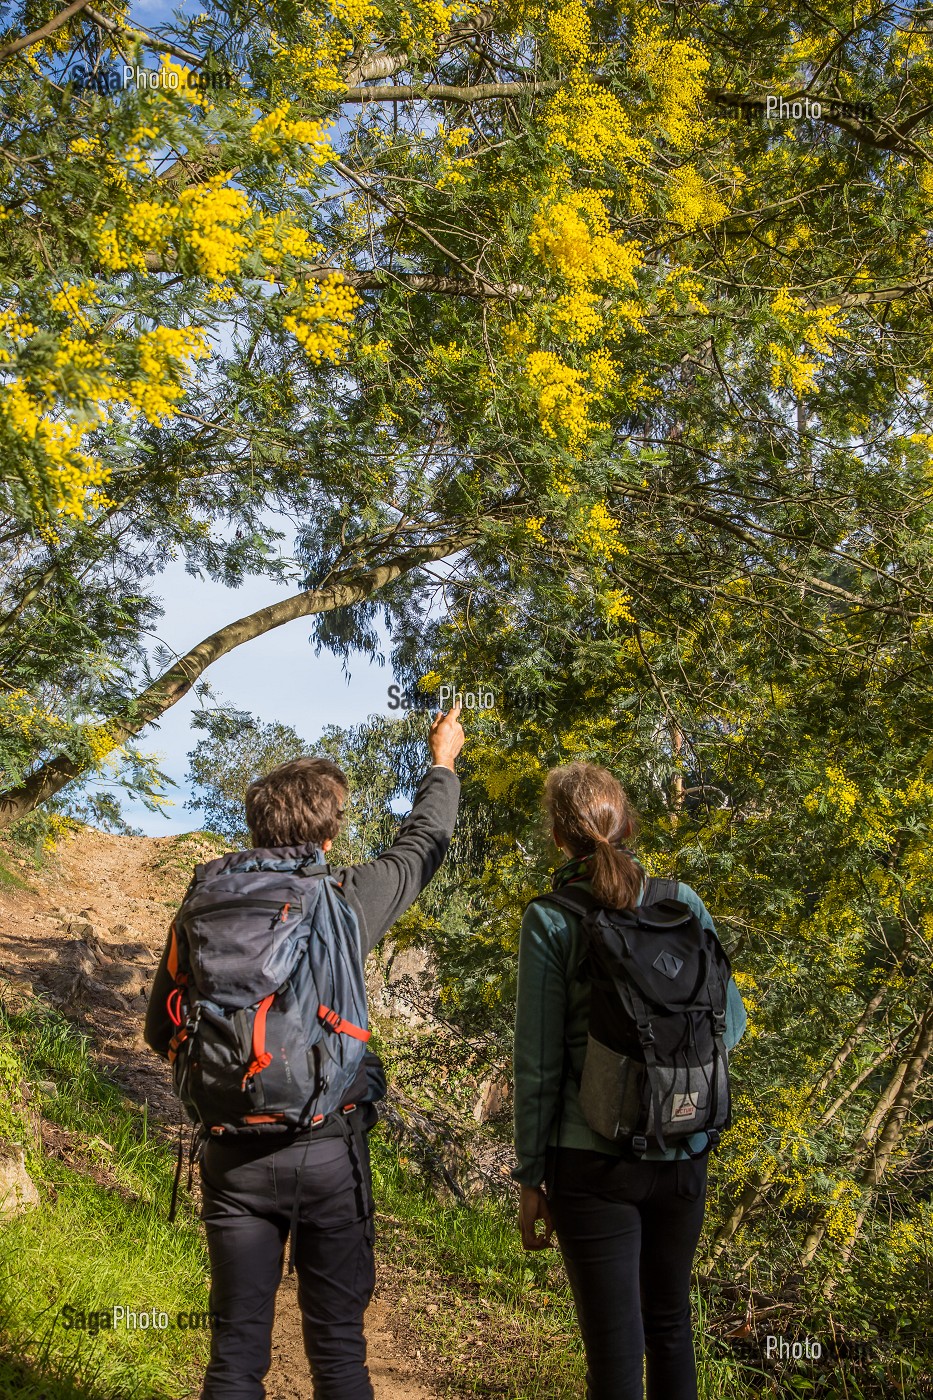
248	1198
628	1231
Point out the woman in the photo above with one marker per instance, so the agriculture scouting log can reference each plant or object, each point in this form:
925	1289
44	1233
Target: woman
627	1226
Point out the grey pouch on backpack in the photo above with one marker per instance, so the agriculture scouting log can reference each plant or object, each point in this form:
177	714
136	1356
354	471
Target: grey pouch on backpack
611	1090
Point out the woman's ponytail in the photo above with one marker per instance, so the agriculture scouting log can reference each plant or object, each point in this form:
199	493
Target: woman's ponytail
592	817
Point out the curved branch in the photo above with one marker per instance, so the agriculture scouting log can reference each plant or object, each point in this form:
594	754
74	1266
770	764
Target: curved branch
376	278
148	41
347	587
385	65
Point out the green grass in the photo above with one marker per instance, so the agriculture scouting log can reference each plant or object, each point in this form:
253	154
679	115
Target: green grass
9	878
100	1237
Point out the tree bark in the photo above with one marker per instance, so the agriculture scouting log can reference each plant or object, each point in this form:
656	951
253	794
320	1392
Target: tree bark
887	1142
852	1088
443	92
753	1193
350	586
372	66
849	1044
376	278
891	1110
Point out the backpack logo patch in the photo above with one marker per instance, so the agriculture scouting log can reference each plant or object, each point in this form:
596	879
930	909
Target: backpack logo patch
684	1106
668	964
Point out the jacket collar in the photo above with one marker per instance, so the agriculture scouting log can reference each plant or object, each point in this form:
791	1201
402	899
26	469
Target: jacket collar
579	869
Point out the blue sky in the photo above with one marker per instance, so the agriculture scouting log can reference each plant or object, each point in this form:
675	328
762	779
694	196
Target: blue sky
276	677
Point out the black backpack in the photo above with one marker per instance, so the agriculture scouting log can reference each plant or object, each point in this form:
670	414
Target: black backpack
656	1068
269	997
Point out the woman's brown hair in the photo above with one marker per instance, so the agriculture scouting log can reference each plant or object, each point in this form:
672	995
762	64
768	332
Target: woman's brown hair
593	817
300	803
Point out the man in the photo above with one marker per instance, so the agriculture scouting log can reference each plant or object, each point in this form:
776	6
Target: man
253	1187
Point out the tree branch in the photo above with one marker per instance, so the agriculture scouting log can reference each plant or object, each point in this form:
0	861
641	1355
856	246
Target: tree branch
888	138
148	41
439	92
374	279
350	586
384	65
26	41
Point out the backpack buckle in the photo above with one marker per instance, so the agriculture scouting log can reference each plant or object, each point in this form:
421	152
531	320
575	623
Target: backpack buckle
173	1006
348	1108
719	1022
639	1145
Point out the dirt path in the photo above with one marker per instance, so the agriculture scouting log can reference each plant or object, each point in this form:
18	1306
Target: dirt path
90	941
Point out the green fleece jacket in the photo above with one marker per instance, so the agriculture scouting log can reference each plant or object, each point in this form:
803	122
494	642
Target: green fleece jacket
553	1010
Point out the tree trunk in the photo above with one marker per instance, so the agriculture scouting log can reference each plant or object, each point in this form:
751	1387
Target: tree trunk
352	585
851	1040
891	1109
752	1194
843	1098
891	1133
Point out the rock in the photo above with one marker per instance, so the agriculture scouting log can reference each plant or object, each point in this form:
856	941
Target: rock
81	958
105	995
403	980
493	1097
80	928
119	929
17	1188
128	952
121	977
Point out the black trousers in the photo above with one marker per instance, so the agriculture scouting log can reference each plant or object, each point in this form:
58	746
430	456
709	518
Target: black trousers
628	1231
248	1194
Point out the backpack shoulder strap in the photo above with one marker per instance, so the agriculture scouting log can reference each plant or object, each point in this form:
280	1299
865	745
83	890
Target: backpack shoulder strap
656	890
583	902
311	867
580	902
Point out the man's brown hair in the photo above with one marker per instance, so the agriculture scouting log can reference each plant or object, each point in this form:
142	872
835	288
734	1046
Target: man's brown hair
300	803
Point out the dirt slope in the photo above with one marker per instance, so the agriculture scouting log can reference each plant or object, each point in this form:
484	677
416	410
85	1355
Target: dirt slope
90	941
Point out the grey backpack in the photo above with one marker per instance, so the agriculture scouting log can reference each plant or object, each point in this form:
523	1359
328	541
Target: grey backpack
269	1001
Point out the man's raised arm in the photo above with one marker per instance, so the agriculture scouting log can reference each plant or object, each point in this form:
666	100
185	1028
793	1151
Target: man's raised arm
381	890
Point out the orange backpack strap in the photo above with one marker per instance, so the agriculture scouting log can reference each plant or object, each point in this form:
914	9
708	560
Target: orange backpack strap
261	1057
171	960
171	957
337	1023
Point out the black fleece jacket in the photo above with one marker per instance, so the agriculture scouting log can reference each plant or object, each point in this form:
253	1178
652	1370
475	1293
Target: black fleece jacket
379	891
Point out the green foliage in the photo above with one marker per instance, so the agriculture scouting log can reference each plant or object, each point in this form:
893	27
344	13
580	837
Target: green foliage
382	760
